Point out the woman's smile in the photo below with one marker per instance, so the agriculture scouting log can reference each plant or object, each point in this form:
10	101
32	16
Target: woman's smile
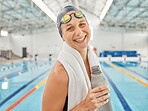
80	40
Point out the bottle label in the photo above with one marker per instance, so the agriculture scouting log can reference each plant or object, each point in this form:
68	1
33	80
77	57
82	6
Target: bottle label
95	70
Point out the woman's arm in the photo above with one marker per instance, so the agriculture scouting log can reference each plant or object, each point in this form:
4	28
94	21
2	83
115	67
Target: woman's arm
56	89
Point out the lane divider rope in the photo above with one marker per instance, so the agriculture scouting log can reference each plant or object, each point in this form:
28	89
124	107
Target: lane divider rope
20	72
21	88
132	71
26	95
126	73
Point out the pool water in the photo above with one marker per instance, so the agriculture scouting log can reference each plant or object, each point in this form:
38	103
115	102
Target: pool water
127	92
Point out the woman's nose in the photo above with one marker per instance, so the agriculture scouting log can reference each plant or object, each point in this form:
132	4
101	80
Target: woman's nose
78	32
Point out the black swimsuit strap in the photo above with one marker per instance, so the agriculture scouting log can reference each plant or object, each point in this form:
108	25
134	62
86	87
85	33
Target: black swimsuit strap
66	104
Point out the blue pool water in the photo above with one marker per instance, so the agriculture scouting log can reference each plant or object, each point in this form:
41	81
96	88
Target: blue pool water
134	94
126	93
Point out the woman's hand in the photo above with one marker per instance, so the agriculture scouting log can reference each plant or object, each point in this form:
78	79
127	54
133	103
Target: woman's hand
96	98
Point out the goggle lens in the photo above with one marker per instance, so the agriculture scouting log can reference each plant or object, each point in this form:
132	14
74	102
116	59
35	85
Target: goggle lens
67	18
79	14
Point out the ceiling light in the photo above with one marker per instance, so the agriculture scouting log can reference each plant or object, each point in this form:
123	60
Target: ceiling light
45	9
105	9
4	33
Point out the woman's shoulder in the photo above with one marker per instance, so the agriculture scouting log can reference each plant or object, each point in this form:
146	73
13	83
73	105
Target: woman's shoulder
59	71
58	67
57	82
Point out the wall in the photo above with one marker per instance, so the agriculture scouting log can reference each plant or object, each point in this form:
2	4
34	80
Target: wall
118	40
50	42
5	43
42	43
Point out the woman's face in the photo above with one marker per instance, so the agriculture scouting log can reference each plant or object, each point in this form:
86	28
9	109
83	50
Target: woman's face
76	32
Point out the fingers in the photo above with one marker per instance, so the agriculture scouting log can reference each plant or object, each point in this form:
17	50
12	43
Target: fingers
97	97
103	102
103	98
100	88
101	93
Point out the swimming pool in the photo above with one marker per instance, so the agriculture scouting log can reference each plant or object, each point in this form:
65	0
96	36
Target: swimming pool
128	84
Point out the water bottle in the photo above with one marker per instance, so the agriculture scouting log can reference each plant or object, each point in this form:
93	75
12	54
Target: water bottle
97	79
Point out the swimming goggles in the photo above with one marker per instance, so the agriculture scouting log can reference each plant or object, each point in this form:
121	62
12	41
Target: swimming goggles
66	18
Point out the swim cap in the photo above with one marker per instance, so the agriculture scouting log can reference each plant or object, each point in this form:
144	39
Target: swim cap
62	13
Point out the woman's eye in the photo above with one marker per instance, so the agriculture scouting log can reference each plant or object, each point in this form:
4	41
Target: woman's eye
70	28
82	24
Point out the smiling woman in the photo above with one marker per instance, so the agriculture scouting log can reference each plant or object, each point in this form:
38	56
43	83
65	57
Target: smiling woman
76	32
71	84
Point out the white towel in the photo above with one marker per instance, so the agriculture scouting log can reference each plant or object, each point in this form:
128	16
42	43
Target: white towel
79	82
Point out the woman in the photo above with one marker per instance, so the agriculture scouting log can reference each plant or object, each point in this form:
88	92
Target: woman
62	92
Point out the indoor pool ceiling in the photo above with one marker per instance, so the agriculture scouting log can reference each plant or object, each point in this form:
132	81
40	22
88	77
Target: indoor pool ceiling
23	15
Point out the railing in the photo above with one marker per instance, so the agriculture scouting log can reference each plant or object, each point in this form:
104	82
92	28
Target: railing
6	55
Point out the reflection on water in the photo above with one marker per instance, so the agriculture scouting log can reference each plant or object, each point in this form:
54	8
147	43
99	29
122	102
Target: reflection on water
24	65
5	85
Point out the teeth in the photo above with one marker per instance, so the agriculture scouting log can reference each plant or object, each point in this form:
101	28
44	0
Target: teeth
79	40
